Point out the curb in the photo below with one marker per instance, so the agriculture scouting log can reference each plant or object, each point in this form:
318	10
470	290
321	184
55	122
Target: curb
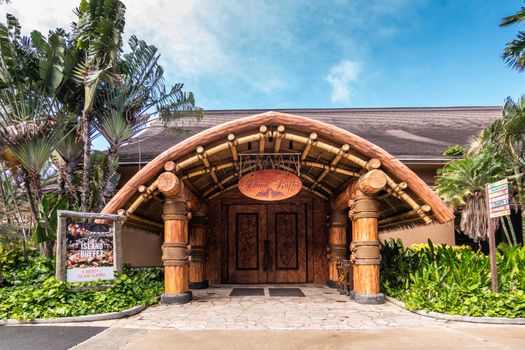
87	318
459	318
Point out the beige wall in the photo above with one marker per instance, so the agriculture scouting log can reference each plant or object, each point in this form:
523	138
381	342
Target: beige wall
141	248
440	233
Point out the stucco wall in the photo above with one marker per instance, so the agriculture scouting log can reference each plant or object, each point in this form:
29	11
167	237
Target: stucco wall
440	233
141	248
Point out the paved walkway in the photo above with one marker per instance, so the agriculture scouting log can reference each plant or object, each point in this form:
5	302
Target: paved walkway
321	308
323	319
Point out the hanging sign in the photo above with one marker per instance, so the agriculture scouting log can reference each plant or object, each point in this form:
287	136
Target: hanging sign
270	185
498	198
89	248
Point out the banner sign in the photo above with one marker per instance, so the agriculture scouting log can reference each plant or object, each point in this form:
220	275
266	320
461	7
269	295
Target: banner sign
270	185
89	256
498	198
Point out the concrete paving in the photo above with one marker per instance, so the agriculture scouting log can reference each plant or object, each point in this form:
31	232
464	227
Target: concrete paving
321	308
322	319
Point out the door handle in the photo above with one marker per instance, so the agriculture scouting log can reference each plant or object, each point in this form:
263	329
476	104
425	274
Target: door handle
267	262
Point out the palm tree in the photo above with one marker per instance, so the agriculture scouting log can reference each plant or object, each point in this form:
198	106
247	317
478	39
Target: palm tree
462	183
130	101
514	53
31	117
99	33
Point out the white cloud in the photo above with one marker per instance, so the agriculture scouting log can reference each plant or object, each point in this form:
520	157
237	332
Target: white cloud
342	78
239	50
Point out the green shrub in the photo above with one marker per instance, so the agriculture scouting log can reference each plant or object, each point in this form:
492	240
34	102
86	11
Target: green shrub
454	280
454	150
35	292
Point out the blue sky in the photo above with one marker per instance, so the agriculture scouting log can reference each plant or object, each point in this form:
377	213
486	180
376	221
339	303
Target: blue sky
292	54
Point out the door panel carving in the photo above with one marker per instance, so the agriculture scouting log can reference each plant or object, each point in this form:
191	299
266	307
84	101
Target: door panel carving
247	235
286	241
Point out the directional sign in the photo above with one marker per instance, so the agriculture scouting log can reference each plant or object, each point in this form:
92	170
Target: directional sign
498	198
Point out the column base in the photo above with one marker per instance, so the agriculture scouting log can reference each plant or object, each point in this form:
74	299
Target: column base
332	284
182	298
199	285
373	299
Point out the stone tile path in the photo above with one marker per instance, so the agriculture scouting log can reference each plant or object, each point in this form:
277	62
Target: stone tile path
323	308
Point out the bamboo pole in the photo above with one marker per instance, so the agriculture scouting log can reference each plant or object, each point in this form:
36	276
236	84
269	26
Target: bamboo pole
232	145
312	139
278	137
400	217
408	199
263	129
140	220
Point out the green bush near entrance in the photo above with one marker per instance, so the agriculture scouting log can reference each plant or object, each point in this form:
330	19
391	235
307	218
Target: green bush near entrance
33	292
454	280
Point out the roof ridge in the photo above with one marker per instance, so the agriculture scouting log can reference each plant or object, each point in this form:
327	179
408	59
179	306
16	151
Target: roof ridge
360	109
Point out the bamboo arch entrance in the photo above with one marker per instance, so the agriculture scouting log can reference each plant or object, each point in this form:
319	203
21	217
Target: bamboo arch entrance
361	181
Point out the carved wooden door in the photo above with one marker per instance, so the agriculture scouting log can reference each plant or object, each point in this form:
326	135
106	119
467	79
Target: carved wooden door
267	243
286	236
246	234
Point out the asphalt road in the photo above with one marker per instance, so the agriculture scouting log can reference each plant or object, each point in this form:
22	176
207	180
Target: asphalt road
44	337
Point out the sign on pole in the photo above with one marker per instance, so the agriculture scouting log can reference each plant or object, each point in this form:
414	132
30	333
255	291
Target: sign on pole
88	251
498	204
498	198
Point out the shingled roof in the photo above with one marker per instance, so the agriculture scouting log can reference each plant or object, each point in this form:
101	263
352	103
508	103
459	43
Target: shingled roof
410	134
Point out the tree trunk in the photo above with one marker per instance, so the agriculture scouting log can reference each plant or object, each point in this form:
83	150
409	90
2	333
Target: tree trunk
86	172
30	198
108	190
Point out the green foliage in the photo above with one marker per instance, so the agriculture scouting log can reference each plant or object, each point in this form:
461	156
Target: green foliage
461	183
454	280
46	227
37	294
454	150
514	53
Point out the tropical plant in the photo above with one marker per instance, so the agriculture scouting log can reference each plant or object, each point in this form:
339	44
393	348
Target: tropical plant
31	118
454	280
128	103
98	33
462	183
514	52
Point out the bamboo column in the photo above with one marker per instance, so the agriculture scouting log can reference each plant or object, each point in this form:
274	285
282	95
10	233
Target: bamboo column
337	244
198	252
365	249
175	252
361	198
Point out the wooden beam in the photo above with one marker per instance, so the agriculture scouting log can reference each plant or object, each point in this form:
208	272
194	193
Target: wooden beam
204	158
331	168
399	218
171	186
140	220
344	148
368	184
278	137
309	142
232	145
408	199
263	129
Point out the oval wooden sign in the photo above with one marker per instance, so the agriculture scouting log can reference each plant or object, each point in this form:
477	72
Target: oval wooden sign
270	185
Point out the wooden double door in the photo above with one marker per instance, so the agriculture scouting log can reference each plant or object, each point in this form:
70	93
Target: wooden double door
267	243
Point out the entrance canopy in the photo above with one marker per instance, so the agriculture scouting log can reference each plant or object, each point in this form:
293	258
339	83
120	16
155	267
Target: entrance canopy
327	159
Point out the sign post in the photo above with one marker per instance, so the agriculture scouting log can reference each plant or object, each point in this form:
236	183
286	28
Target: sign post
88	251
498	204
